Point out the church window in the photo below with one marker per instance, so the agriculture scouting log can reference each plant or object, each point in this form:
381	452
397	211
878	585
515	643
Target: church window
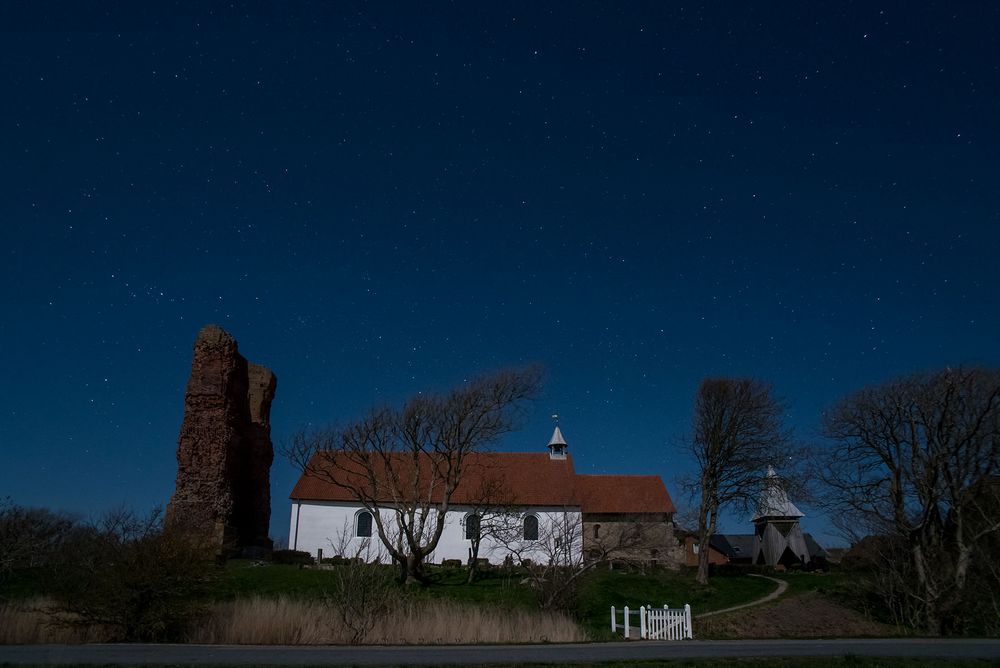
471	526
530	527
363	524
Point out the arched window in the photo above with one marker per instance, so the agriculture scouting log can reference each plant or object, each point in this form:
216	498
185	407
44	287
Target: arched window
530	527
471	526
363	524
597	531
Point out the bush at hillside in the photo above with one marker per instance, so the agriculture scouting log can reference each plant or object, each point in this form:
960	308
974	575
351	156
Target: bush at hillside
132	578
292	557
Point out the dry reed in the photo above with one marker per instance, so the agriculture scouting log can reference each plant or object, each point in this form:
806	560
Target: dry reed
282	621
33	622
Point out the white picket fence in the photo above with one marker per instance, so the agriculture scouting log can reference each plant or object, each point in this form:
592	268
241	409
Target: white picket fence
655	623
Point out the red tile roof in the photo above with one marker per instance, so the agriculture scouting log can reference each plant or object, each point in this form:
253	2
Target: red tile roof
532	479
623	494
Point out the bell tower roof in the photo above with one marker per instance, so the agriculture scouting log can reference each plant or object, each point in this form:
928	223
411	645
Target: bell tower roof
557	445
774	500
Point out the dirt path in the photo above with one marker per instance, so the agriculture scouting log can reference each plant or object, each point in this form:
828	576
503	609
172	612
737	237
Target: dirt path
805	615
782	587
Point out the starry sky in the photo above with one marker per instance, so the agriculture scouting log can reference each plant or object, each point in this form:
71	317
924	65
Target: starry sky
381	198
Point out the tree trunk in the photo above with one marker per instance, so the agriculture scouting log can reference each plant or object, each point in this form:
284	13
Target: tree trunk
705	529
473	562
414	570
702	577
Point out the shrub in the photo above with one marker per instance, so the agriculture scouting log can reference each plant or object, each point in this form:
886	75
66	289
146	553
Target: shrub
335	560
30	537
451	563
364	594
292	557
131	577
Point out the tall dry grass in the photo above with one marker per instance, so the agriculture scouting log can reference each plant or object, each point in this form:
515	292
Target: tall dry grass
282	621
34	622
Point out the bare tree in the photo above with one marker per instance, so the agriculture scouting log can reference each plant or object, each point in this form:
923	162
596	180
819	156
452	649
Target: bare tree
490	508
30	536
553	560
556	560
738	433
912	461
408	461
132	577
343	544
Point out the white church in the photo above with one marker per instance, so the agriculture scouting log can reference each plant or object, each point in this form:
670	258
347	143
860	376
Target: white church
542	488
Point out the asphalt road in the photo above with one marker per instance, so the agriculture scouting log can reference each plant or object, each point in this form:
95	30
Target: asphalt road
487	654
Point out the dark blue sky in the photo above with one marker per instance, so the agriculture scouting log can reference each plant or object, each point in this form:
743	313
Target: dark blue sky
378	199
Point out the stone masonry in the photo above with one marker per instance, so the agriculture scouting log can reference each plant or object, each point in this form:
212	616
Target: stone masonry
224	451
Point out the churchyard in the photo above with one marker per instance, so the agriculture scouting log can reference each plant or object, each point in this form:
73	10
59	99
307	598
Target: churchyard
248	602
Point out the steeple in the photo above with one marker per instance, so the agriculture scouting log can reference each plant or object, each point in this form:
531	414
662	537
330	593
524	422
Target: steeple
557	445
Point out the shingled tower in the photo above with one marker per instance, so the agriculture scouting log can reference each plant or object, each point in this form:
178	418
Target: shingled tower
778	537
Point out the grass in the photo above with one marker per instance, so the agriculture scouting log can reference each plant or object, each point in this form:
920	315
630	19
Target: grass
599	591
287	621
283	621
241	581
674	588
492	588
831	583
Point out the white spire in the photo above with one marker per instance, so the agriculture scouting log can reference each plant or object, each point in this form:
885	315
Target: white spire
557	438
774	500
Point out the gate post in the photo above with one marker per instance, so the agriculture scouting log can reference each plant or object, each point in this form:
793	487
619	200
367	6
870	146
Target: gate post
613	626
688	631
626	622
643	628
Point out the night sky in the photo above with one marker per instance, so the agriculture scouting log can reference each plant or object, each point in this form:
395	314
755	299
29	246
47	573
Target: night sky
379	199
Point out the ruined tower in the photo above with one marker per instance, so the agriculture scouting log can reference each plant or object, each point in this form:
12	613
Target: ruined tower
224	451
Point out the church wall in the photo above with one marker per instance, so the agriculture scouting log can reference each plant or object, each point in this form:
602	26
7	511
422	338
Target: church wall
330	526
651	538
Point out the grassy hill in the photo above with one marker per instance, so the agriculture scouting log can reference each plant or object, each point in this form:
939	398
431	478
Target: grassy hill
598	592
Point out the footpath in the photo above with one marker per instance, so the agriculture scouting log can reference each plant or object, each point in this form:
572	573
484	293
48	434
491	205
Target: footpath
782	588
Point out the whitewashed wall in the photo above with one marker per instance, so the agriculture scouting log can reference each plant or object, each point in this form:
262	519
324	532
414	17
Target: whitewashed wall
330	526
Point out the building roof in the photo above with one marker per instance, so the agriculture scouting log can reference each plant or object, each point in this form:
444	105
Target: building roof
623	494
815	549
530	479
734	546
774	501
740	545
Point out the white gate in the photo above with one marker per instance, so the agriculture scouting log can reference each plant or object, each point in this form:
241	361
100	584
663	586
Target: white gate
656	623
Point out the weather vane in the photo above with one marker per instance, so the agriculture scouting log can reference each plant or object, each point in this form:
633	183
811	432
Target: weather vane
555	416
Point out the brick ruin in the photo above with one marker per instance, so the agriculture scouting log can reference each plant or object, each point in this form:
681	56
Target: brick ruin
224	451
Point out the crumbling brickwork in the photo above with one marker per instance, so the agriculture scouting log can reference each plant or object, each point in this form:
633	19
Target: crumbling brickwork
224	451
